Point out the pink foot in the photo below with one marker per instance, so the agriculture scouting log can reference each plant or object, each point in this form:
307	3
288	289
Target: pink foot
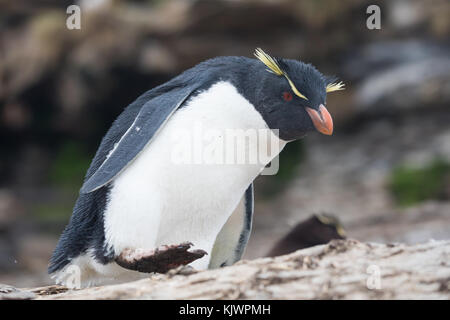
159	260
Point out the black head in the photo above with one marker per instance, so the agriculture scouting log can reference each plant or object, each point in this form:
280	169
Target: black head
291	96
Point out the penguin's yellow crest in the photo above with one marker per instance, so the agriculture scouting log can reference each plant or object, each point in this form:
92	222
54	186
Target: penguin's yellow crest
273	67
270	62
335	86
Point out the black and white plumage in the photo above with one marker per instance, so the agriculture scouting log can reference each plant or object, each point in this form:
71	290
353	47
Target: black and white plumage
134	196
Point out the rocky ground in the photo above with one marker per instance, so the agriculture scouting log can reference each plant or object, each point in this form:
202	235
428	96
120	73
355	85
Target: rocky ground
343	269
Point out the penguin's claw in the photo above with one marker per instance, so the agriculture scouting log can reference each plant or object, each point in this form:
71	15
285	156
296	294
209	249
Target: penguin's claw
159	260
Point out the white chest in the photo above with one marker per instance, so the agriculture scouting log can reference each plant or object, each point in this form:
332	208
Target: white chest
178	189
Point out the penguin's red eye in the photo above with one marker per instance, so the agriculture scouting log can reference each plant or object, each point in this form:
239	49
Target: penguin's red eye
287	96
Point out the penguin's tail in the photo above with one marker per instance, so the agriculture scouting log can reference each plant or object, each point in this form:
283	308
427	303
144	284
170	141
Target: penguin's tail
64	252
85	231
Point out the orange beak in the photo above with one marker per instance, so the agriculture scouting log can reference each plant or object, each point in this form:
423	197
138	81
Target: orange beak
322	120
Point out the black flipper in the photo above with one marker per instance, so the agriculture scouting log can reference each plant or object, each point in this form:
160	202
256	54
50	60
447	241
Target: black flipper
150	119
225	255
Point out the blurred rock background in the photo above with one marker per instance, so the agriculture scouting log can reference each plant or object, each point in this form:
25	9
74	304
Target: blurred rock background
385	172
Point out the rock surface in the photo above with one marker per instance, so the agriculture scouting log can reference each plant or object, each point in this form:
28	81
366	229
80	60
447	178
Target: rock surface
342	269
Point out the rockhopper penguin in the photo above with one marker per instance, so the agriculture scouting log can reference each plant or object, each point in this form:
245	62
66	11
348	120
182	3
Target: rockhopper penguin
140	210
